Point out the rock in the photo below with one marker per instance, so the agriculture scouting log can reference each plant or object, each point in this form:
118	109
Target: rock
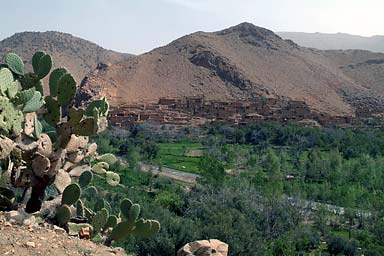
11	214
20	217
30	221
58	230
48	209
212	247
82	229
84	233
30	244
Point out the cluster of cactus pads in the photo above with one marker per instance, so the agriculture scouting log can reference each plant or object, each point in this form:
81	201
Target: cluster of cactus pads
44	140
102	224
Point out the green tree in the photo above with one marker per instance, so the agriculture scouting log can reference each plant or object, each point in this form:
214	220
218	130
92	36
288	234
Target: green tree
211	169
271	165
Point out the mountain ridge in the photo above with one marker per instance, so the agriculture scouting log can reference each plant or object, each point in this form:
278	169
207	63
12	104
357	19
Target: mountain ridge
78	55
336	41
238	63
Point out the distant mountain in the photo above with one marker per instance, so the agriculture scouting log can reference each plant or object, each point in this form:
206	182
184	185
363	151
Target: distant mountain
339	41
77	55
240	63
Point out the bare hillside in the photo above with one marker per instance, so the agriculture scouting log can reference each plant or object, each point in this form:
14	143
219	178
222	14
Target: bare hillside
241	62
78	55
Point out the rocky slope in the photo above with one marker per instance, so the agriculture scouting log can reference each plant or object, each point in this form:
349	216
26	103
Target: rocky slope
336	41
45	239
78	55
238	63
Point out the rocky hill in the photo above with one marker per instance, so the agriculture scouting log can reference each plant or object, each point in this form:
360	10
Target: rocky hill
338	41
243	62
78	55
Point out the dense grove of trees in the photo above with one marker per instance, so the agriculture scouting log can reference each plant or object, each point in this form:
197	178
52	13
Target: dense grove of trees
250	209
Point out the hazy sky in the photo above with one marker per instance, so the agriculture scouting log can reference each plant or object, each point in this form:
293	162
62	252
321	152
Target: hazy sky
137	26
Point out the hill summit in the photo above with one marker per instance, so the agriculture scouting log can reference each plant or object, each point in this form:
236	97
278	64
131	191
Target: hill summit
243	62
76	54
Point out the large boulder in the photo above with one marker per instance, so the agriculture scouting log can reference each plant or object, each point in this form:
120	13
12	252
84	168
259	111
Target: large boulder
211	247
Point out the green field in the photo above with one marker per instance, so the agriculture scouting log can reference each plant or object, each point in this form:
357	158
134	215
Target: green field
185	156
178	156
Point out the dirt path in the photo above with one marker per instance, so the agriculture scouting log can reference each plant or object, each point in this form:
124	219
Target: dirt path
177	175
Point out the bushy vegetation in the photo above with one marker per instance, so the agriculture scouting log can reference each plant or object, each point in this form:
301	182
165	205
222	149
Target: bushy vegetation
266	189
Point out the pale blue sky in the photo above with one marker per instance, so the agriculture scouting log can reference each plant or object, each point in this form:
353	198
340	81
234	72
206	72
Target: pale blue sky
137	26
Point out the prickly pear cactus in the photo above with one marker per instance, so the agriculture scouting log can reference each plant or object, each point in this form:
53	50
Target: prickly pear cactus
66	89
15	63
100	219
71	194
85	179
80	208
53	114
54	80
44	140
112	178
125	207
108	158
10	118
111	222
63	214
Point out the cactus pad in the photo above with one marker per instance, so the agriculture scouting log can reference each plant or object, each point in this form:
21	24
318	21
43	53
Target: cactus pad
34	104
100	204
88	213
112	178
54	78
107	158
134	212
45	65
71	194
6	79
53	114
146	228
15	63
101	105
99	168
142	228
66	89
99	220
30	80
91	149
122	230
80	208
24	96
63	214
111	222
85	178
36	59
91	191
87	127
75	116
40	165
125	207
38	127
10	118
13	89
